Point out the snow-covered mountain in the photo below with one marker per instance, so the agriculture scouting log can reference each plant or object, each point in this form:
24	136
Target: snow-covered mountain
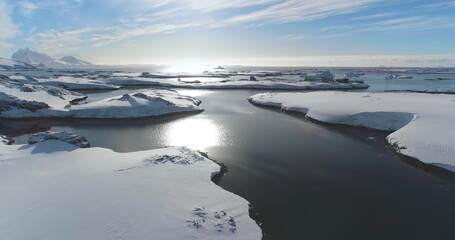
70	60
6	64
34	58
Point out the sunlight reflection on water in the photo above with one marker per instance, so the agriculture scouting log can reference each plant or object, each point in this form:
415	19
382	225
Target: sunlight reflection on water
195	133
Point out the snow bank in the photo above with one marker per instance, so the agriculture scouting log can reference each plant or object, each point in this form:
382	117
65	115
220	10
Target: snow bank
422	122
54	190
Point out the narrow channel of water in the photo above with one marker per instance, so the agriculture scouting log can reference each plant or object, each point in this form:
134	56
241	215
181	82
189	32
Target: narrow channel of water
306	180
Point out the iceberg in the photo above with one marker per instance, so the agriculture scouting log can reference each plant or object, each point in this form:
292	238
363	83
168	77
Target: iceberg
322	76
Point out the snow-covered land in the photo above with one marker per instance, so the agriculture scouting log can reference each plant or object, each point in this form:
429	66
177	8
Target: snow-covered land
75	83
262	83
422	123
71	61
141	104
55	190
26	98
7	64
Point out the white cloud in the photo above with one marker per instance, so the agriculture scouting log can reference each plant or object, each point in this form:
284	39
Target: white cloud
7	28
27	8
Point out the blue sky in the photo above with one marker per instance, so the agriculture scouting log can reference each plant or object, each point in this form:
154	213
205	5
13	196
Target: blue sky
244	32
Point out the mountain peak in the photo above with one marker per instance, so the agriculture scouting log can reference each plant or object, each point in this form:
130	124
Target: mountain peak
34	58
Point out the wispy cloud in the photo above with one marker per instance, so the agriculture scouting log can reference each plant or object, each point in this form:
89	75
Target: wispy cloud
27	8
120	34
7	28
415	24
213	5
298	10
373	16
336	28
54	41
293	37
443	4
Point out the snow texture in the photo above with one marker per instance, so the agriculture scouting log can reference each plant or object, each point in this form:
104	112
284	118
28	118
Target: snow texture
142	104
54	190
422	123
23	96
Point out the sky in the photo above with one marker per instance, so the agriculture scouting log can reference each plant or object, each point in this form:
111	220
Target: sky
235	32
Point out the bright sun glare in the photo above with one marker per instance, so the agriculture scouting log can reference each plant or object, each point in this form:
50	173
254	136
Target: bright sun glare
196	134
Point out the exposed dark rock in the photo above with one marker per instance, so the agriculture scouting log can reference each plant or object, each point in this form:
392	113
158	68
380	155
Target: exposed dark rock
68	137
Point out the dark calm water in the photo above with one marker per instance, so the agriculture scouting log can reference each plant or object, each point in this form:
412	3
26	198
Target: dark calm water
306	180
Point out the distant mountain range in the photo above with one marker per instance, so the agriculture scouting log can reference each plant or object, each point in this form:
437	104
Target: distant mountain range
34	58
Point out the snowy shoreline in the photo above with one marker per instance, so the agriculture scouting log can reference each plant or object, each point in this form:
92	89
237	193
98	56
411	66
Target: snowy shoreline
417	124
165	193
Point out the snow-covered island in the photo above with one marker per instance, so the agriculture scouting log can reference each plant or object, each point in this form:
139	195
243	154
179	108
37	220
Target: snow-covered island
56	190
421	123
236	82
27	98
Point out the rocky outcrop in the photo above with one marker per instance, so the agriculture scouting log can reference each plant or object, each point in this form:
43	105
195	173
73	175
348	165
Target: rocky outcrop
68	137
